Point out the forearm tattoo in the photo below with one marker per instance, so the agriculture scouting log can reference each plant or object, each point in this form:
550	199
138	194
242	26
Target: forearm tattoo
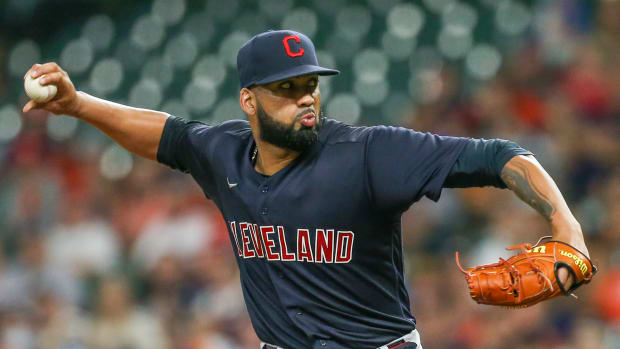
518	178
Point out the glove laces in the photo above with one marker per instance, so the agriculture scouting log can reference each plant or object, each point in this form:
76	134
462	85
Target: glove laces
541	275
514	273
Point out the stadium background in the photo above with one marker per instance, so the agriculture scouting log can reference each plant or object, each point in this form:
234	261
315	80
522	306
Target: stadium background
101	249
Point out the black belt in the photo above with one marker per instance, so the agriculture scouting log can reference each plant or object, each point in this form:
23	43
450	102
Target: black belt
402	344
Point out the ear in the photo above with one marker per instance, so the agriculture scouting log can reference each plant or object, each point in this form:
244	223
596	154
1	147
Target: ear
247	101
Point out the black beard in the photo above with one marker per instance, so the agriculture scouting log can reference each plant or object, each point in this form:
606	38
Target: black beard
285	136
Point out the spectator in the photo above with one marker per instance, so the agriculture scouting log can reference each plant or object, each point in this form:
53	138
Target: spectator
81	243
119	323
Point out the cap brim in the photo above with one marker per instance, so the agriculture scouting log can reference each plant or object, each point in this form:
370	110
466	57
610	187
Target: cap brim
294	72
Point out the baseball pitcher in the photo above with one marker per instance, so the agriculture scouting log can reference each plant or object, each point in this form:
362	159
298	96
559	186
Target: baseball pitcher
313	206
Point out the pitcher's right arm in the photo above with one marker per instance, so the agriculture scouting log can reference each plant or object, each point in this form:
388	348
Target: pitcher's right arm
137	130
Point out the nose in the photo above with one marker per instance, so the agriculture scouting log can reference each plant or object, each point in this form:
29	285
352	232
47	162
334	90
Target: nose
306	100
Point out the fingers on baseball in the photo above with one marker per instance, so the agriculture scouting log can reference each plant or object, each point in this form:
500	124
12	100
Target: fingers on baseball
52	78
32	69
46	68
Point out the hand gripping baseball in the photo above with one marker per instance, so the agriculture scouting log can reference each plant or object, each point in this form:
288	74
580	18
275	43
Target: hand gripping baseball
530	276
65	101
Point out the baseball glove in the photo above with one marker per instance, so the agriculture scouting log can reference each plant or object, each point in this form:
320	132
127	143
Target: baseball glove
530	276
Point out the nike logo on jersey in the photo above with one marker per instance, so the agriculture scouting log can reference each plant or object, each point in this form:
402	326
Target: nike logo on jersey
230	185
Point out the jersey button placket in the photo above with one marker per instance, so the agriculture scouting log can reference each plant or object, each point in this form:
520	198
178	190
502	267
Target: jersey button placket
264	199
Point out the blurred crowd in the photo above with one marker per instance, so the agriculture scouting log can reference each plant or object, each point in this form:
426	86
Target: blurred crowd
144	261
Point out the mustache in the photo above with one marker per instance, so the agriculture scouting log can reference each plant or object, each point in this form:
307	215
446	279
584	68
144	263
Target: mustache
304	112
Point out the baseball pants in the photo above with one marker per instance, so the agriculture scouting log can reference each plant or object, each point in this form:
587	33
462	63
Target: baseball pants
409	341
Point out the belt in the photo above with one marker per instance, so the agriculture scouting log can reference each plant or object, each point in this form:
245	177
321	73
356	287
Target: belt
409	341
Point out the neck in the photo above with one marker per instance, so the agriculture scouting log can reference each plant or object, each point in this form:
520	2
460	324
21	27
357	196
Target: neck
271	159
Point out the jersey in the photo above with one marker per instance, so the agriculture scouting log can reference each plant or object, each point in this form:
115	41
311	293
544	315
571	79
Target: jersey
318	244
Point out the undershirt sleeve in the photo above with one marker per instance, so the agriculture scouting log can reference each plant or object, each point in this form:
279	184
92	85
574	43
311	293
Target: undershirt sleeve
481	162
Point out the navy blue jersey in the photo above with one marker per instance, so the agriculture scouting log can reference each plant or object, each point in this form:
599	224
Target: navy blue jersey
318	244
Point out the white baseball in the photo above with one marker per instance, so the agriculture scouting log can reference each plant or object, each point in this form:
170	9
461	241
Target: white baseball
38	93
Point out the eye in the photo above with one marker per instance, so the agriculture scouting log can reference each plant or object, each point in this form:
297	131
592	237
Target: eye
313	83
285	85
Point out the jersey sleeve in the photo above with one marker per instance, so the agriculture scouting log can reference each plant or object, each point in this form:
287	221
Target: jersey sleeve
481	162
404	165
183	145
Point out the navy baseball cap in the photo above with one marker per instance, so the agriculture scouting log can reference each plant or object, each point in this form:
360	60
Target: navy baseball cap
276	55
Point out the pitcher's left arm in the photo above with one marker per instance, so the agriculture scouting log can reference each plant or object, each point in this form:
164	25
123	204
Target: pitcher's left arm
532	184
504	164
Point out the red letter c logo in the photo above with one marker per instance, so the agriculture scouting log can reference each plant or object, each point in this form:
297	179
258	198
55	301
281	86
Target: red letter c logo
288	48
